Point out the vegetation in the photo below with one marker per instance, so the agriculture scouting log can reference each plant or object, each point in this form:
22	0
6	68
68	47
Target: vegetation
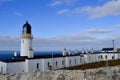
118	49
95	65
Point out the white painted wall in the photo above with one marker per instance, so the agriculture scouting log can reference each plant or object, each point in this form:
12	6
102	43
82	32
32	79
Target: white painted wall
77	60
46	61
66	61
82	60
15	67
118	55
106	56
57	62
3	67
72	60
31	64
89	58
25	44
43	64
97	57
85	58
30	53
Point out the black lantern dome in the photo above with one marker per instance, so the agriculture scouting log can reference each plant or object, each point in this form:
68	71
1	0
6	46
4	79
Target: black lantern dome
26	28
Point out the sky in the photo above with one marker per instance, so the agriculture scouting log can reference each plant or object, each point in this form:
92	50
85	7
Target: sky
58	24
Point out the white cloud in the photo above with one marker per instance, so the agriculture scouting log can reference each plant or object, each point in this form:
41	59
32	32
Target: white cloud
17	13
63	11
75	41
118	26
111	8
68	41
78	37
9	43
100	31
55	3
69	2
62	2
58	43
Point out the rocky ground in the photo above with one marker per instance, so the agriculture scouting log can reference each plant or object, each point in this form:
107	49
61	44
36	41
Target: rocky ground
104	73
48	75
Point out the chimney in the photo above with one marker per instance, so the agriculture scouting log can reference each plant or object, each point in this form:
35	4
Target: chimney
69	52
76	51
64	52
82	50
92	51
86	51
15	54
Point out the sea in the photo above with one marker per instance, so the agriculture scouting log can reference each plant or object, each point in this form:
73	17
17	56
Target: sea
5	55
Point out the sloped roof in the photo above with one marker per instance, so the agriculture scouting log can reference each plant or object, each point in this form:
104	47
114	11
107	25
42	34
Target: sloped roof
107	49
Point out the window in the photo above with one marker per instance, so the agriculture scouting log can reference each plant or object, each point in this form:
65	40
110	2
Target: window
80	60
98	57
101	57
89	58
113	57
48	64
23	41
75	61
105	56
25	29
56	63
37	67
1	69
62	62
70	61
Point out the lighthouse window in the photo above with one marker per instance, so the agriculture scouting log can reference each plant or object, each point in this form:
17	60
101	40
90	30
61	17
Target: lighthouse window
23	41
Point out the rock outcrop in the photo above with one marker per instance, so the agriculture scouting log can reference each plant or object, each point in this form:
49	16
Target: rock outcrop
104	73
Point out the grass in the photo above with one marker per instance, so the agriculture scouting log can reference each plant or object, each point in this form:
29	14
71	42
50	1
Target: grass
94	65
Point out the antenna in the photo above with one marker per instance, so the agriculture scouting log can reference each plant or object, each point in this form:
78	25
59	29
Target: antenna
113	44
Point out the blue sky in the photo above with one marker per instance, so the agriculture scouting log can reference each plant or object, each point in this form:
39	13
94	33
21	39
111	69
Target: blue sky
60	23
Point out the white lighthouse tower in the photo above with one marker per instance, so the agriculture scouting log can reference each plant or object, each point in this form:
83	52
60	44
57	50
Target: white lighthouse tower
26	40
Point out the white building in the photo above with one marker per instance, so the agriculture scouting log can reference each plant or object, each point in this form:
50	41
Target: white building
27	62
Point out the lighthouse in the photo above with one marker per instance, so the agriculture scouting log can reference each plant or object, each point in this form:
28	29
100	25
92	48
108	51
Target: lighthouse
26	41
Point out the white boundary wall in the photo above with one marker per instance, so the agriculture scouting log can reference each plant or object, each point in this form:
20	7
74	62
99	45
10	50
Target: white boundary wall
43	64
15	67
